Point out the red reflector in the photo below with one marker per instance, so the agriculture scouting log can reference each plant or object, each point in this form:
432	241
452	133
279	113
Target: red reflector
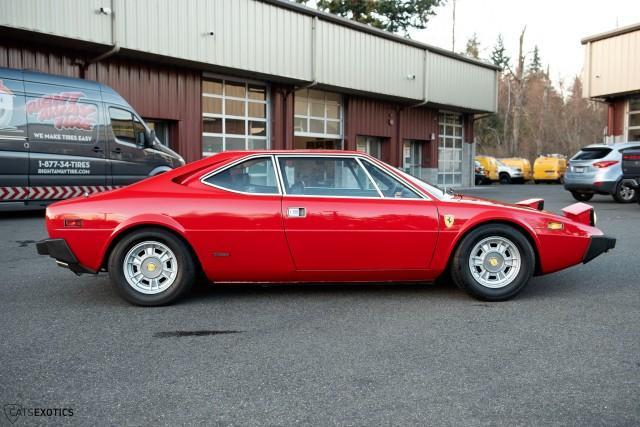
597	184
605	164
630	157
73	222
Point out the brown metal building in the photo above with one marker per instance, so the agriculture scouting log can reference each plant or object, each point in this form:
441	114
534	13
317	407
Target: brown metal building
256	87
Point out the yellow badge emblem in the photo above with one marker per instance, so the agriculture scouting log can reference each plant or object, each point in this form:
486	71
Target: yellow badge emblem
151	267
448	220
493	262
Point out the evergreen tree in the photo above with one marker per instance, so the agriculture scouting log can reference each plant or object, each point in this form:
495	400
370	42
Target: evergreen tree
499	54
473	47
535	66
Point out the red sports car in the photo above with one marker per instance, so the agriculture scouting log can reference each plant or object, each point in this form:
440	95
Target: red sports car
310	216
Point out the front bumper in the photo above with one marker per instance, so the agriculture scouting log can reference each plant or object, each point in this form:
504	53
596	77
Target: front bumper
59	250
597	246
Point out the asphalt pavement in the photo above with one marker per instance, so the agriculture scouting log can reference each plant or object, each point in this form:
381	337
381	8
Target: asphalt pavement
565	351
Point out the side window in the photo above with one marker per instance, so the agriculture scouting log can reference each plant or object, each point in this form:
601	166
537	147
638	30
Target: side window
123	124
388	185
325	176
251	176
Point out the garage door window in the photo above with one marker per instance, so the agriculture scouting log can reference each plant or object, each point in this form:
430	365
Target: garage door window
318	119
634	120
450	149
234	116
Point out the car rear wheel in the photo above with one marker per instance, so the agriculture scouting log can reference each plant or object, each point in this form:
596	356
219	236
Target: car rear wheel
582	197
624	194
493	263
505	178
151	267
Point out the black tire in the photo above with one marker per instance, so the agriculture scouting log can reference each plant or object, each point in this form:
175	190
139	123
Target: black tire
625	194
582	197
184	279
461	271
505	178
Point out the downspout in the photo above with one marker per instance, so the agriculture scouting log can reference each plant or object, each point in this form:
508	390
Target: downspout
425	82
314	53
115	48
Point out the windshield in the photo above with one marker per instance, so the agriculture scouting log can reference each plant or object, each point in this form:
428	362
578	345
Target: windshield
430	188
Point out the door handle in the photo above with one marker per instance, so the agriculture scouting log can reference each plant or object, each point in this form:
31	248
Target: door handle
296	212
97	149
117	150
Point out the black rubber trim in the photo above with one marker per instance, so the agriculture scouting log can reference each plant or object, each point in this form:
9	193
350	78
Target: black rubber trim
60	251
597	246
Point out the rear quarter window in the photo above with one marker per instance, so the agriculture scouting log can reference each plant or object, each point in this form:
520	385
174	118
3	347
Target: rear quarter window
592	153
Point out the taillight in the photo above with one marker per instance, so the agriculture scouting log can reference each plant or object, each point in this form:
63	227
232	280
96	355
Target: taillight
605	164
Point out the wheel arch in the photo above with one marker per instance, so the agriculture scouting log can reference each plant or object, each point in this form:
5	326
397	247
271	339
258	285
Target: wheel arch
526	232
132	228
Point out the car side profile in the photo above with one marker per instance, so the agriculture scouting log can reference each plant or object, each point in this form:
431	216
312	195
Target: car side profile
310	216
596	169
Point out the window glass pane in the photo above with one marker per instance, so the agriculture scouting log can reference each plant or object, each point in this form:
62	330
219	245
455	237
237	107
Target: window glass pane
325	177
235	144
316	126
316	110
233	107
634	104
258	128
122	124
212	125
333	128
212	144
361	143
235	127
332	97
257	144
257	110
457	131
212	86
333	111
257	92
236	89
634	119
301	106
300	124
634	135
211	105
251	176
389	186
316	96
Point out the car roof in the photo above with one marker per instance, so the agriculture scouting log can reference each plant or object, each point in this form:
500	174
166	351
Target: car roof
612	146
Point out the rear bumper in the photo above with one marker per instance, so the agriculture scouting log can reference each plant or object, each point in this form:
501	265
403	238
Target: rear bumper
604	187
59	250
597	246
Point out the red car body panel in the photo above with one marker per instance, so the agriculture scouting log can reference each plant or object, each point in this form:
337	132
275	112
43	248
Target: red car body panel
249	238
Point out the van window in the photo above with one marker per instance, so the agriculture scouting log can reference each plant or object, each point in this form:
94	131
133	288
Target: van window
592	153
125	125
251	176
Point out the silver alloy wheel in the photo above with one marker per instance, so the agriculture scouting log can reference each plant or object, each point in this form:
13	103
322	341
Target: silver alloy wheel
627	193
495	262
150	267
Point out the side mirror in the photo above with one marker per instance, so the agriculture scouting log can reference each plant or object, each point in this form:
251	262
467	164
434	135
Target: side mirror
151	138
141	139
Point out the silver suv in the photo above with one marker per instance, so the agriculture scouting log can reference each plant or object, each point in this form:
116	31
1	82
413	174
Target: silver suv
596	169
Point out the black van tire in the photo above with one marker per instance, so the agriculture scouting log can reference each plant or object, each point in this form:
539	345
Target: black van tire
184	278
582	197
505	178
461	271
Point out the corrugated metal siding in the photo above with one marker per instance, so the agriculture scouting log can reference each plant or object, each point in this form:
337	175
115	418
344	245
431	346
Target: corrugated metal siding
248	35
356	60
66	18
460	84
612	65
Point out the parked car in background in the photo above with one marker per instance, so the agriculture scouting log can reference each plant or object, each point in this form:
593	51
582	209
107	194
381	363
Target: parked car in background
490	165
519	163
596	169
307	216
549	169
63	137
508	174
480	174
631	169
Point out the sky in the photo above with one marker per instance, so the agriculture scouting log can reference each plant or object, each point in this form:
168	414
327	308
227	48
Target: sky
555	26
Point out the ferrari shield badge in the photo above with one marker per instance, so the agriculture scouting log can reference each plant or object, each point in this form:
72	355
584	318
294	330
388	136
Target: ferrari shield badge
448	220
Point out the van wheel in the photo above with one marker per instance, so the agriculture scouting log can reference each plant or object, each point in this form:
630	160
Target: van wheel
582	197
505	178
624	194
151	267
493	263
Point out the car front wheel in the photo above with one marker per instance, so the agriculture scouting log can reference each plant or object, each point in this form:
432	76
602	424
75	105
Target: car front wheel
505	178
582	197
493	263
624	194
151	267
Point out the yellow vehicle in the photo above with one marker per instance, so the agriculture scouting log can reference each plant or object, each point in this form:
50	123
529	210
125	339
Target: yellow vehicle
549	169
519	163
490	166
